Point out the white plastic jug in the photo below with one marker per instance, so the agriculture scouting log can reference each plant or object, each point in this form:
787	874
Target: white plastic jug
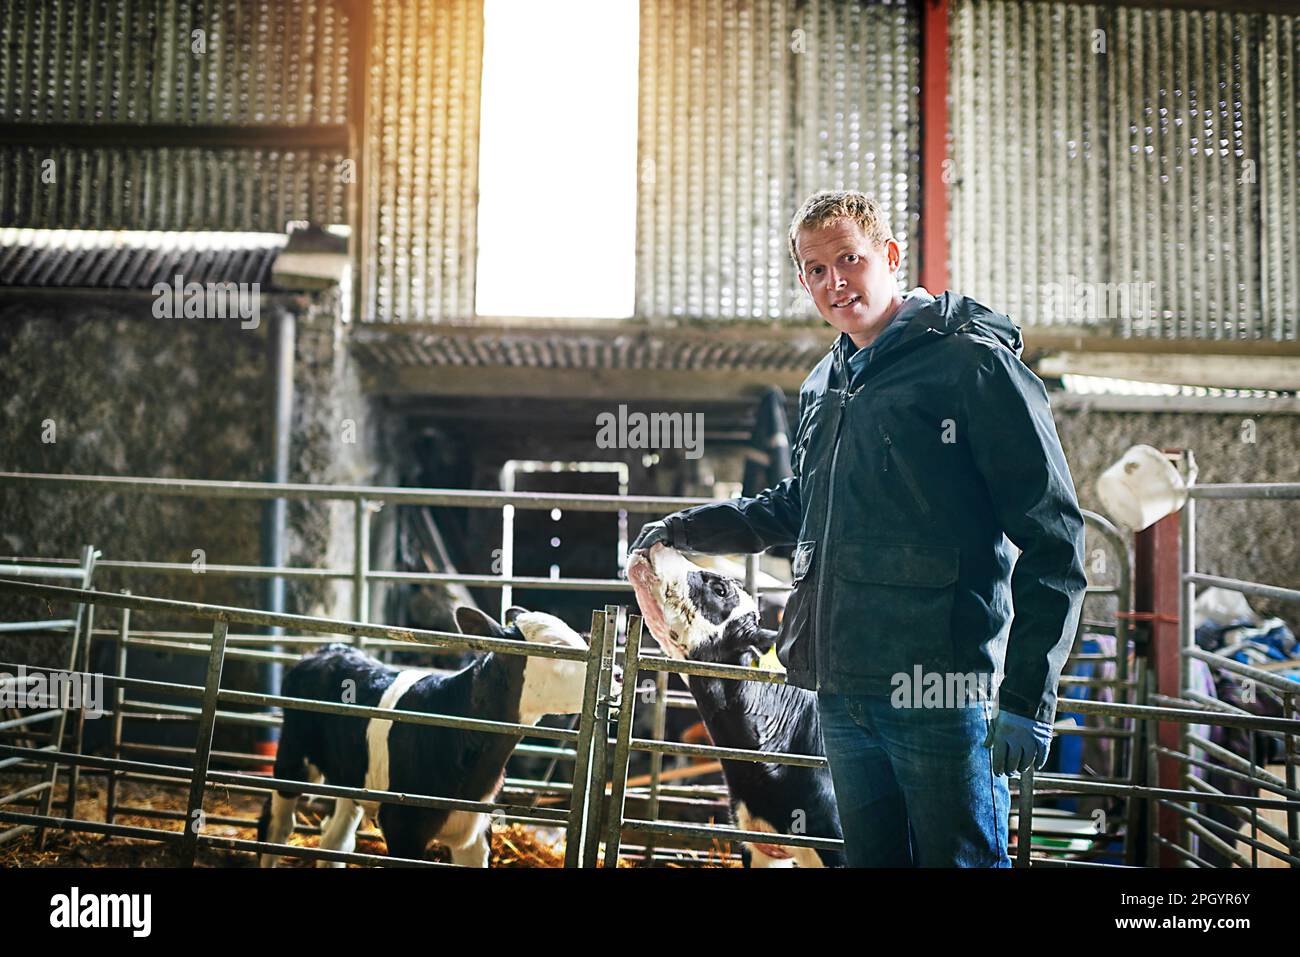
1143	487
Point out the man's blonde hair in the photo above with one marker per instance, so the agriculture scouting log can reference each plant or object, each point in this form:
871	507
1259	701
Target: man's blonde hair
828	206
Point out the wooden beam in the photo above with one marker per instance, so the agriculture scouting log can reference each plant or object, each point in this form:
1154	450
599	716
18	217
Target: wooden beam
325	136
794	335
1216	371
617	385
1174	404
1040	342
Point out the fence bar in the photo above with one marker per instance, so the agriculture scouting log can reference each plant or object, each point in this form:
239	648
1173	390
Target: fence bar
1219	826
315	853
1258	675
623	738
1257	781
1179	851
575	828
415	637
42	821
56	624
26	792
1025	818
39	718
389	495
599	741
728	754
1291	704
119	697
203	744
1265	490
586	795
682	829
88	557
1208	793
79	721
659	729
361	566
256	783
1245	587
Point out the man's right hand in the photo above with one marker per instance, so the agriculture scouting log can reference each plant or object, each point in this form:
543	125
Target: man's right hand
651	532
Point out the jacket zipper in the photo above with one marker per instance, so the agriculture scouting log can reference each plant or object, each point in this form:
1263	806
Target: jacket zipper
818	644
905	471
818	603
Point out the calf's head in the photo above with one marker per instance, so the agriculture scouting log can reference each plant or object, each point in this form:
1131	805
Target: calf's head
550	685
693	612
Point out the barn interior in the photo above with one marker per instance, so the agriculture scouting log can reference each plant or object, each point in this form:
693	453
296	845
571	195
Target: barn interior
457	236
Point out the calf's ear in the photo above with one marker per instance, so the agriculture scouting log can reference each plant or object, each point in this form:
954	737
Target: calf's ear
471	621
513	612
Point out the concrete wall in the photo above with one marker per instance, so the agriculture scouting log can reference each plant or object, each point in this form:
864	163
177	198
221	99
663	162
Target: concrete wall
1251	540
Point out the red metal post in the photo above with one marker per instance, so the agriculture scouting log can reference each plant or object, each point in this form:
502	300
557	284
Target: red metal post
1155	593
934	145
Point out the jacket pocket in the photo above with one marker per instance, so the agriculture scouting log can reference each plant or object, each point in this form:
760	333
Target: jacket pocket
899	463
803	437
794	639
892	609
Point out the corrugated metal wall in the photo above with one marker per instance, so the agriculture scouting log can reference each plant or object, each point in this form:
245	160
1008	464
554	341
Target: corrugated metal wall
1095	147
747	107
427	60
134	61
1171	158
108	188
1279	176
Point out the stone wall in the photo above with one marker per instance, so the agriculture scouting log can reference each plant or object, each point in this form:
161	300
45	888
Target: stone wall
100	387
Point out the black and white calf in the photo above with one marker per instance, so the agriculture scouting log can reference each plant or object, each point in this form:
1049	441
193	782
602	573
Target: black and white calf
700	615
414	758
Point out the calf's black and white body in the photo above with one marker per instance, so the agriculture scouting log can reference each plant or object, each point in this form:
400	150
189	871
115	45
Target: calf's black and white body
700	615
414	758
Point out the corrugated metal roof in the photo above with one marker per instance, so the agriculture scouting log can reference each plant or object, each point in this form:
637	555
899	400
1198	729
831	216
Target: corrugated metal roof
665	349
73	258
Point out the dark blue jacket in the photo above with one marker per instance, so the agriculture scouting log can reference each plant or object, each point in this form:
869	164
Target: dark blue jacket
909	479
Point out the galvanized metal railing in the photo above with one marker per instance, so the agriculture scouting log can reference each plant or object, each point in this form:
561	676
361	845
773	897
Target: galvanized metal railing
80	624
1131	722
365	501
362	575
578	822
1285	692
1032	787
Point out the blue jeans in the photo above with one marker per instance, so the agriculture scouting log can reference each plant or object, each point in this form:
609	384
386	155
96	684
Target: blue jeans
915	786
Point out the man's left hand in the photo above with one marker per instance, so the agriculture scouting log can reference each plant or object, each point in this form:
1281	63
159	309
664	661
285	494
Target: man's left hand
1018	743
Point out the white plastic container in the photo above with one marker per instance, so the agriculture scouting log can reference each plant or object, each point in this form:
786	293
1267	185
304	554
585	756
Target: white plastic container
1143	487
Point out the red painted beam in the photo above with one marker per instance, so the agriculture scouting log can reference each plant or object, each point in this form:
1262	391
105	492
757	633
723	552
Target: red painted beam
934	145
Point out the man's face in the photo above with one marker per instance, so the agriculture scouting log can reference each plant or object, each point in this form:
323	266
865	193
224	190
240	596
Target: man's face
851	280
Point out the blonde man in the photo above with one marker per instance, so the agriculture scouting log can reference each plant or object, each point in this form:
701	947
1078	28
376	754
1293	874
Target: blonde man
925	449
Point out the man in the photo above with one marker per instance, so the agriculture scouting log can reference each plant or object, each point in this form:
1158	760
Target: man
923	446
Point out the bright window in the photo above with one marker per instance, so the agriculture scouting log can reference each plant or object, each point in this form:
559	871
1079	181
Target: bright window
557	159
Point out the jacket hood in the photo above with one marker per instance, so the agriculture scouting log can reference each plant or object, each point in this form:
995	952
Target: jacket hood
956	313
946	315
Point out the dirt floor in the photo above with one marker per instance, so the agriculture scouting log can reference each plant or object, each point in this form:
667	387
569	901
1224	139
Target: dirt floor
513	845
